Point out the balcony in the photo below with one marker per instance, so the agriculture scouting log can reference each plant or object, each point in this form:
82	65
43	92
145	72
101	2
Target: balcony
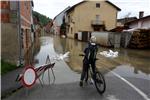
97	22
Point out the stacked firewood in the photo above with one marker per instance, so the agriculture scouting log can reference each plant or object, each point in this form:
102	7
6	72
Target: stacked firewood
148	38
140	39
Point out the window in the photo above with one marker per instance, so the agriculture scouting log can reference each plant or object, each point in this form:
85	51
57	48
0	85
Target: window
69	19
21	36
97	17
97	5
26	4
71	30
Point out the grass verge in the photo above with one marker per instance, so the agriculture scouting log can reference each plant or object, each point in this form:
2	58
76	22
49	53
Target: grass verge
6	67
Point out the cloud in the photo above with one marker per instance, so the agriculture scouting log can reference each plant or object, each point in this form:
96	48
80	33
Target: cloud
53	7
133	7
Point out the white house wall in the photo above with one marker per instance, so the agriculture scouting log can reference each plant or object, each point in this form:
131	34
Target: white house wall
145	24
59	19
134	25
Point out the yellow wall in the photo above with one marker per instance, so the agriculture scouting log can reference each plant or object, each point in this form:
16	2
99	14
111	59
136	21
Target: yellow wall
84	13
72	17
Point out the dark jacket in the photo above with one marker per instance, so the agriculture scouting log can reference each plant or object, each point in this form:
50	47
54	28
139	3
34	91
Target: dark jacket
90	53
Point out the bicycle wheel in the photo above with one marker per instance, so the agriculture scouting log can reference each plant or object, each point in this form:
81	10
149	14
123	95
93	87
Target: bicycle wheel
100	83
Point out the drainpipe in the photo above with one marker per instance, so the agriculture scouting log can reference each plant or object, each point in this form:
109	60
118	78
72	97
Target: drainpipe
32	34
19	36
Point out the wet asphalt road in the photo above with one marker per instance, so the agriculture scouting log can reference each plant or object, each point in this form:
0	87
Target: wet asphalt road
116	90
121	81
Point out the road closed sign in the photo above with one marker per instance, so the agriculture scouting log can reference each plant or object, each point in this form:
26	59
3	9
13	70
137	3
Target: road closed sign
29	76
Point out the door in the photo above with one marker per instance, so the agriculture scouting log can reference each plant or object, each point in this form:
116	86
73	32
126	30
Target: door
84	36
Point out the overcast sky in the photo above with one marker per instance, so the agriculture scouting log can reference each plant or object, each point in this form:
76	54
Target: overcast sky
51	8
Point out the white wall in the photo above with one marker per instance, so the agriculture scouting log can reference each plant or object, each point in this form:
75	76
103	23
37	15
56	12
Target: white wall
145	24
101	37
108	38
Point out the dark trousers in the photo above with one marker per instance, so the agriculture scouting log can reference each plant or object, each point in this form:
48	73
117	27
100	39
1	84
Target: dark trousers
85	71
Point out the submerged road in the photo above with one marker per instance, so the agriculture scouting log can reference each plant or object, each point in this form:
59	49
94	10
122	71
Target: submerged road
121	81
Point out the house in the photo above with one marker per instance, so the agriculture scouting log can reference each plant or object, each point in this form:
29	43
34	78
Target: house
37	27
137	36
16	30
141	23
26	23
48	26
58	21
121	24
122	21
89	16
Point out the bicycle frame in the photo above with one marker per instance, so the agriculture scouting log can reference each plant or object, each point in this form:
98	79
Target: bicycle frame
98	78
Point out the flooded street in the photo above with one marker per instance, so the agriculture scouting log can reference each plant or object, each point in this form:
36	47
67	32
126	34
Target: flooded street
46	48
61	70
131	65
43	44
127	77
130	62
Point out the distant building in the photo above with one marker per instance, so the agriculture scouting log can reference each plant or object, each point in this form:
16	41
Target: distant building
26	23
48	26
89	16
137	34
122	21
141	23
58	21
16	29
37	27
121	24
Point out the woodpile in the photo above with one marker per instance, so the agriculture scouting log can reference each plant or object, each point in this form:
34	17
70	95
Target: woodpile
140	39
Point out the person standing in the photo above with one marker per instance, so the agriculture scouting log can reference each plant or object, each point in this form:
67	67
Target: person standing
89	59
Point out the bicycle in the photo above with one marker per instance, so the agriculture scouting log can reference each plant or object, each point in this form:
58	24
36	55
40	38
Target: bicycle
99	81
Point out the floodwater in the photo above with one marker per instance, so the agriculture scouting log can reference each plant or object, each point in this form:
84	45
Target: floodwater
130	62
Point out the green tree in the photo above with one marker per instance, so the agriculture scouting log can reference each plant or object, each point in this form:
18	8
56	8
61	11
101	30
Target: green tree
42	18
63	28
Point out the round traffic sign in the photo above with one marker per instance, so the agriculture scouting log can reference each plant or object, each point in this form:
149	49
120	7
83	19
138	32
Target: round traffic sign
29	76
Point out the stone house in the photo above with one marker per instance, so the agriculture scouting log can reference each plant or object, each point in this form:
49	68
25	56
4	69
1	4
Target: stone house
58	21
16	30
89	16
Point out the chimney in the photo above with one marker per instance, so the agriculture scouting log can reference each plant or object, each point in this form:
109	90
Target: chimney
141	14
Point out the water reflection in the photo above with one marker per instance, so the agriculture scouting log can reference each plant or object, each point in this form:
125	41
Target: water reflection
139	60
62	45
34	49
46	48
129	62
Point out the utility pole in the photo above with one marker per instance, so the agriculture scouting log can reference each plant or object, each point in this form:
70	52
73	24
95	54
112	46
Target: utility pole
20	62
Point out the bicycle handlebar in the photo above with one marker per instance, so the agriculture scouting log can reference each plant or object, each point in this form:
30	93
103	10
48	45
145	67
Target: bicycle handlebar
81	55
84	55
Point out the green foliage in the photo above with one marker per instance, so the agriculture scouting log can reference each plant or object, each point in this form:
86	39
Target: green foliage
63	28
42	18
6	67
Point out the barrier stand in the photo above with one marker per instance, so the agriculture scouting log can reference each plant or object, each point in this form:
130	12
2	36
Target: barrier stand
48	62
31	74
